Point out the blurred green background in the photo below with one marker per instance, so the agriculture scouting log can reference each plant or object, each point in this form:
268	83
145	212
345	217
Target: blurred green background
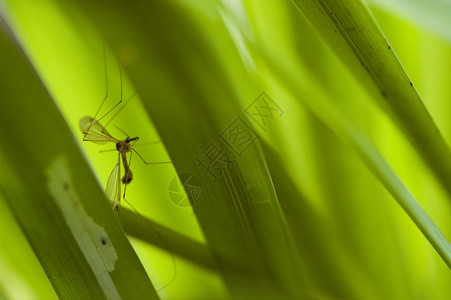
306	211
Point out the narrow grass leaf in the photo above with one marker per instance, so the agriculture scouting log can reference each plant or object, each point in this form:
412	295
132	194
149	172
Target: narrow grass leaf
349	29
54	196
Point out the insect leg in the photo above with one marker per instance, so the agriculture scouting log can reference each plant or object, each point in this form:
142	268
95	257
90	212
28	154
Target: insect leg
95	120
150	163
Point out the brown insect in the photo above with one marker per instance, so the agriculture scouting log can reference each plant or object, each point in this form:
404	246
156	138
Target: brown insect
93	131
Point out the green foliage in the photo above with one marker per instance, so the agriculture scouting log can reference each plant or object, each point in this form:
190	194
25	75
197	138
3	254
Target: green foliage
340	189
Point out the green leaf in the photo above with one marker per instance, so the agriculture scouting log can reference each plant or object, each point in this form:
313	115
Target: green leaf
169	240
352	33
369	154
240	198
54	196
298	214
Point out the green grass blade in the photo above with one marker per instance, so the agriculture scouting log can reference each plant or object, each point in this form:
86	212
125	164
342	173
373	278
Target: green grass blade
300	213
315	232
239	211
350	30
369	155
166	239
54	195
18	263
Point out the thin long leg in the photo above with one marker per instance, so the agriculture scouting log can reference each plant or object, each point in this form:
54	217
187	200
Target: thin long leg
166	245
120	109
95	120
120	101
105	69
150	163
174	277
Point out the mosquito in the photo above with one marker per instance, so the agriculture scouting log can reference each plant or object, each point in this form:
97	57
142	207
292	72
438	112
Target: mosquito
93	131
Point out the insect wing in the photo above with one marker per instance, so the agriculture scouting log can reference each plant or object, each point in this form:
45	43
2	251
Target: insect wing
94	131
113	186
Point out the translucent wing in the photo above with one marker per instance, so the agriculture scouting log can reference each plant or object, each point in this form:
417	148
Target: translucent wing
113	186
94	131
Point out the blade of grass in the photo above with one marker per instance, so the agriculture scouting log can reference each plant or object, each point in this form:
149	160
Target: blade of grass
348	27
326	114
54	196
189	98
168	240
22	277
79	56
315	233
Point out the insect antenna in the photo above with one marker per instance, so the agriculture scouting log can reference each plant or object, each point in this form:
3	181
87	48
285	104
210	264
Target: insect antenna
123	131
